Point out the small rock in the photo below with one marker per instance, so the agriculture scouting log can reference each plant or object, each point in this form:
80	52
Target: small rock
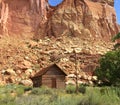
28	72
9	72
71	76
2	83
89	78
27	63
11	79
80	82
94	78
70	82
26	82
84	77
90	82
18	71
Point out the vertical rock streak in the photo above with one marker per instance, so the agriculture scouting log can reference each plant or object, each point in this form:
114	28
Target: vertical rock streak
44	5
4	17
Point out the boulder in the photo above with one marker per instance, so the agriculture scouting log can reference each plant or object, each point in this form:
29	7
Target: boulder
27	64
26	82
28	72
94	78
71	76
10	72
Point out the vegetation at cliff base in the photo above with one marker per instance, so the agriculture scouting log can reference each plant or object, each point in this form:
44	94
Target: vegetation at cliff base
116	38
109	69
20	95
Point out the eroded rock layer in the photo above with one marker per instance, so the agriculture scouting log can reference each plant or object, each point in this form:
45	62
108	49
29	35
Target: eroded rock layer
84	19
27	18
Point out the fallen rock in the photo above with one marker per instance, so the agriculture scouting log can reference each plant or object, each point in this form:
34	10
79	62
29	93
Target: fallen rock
71	82
2	83
28	72
26	82
10	72
94	78
11	79
90	82
71	76
27	64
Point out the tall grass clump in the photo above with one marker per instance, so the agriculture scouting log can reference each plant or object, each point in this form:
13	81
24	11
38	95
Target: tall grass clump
70	89
82	89
100	96
42	90
48	96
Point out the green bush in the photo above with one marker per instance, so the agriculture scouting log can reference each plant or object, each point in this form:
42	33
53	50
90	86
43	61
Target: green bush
42	90
47	96
20	90
36	91
82	89
117	36
109	69
70	89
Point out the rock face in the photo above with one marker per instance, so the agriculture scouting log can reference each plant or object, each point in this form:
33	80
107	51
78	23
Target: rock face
92	18
84	19
84	25
22	17
110	2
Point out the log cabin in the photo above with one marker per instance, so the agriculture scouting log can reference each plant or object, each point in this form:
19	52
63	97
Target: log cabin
52	76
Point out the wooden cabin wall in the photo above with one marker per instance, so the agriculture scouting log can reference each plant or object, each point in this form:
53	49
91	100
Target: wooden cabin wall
37	81
48	80
54	77
60	82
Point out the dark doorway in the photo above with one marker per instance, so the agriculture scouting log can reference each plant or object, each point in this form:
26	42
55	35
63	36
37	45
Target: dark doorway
53	82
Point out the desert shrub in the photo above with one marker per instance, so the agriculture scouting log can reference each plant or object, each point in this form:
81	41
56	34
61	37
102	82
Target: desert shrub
92	96
109	91
82	89
27	89
35	91
117	90
70	89
6	99
100	96
42	90
33	100
117	36
69	99
109	69
20	90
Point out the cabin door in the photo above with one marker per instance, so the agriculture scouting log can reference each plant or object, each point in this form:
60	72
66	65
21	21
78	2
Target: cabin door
53	82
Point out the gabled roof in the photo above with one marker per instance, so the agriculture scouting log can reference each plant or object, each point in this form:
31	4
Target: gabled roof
43	71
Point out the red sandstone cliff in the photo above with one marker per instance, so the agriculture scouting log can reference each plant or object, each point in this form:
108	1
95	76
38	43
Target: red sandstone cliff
92	21
92	18
85	19
22	17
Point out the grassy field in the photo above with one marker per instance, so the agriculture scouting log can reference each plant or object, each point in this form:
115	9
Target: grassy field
20	95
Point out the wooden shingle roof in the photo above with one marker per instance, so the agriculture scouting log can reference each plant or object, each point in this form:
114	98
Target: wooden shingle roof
43	71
